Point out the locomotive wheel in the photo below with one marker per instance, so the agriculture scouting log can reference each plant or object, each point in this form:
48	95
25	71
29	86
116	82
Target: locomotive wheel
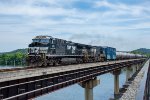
33	64
54	63
80	60
77	60
59	61
45	64
39	64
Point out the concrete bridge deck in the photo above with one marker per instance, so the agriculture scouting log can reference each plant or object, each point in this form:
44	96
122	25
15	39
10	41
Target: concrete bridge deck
30	83
13	75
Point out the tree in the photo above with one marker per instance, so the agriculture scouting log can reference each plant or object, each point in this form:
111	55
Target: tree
18	57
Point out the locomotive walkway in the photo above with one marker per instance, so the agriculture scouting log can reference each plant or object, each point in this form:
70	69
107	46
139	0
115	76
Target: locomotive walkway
30	83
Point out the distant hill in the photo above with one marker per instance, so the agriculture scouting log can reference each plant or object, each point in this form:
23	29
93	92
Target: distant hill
142	51
23	51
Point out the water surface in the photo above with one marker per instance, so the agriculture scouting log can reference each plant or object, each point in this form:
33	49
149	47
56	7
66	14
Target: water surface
103	91
7	67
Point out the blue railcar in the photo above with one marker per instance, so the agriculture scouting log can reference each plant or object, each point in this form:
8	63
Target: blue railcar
109	53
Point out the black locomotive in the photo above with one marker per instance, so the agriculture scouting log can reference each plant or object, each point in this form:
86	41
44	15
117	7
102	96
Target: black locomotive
46	50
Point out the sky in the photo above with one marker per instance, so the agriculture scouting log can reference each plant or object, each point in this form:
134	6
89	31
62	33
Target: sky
123	24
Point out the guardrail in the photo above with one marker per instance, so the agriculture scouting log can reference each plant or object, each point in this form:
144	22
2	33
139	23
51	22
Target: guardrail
147	86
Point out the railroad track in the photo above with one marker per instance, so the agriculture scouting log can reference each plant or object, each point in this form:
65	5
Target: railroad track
28	72
29	67
58	65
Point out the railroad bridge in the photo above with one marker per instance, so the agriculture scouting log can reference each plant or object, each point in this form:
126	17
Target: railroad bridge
24	84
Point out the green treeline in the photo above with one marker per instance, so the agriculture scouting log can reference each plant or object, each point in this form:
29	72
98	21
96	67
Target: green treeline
142	51
14	58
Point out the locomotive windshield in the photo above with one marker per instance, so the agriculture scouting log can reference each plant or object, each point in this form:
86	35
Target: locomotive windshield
44	41
41	40
36	40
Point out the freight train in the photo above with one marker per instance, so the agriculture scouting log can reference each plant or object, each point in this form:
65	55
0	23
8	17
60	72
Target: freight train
46	50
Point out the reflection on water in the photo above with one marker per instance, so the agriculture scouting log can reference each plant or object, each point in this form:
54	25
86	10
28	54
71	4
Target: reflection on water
103	91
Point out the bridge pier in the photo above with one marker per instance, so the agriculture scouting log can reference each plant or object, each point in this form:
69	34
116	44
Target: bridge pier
134	69
88	86
116	83
138	66
127	74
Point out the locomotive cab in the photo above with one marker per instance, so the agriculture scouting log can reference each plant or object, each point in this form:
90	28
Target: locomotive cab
39	45
38	49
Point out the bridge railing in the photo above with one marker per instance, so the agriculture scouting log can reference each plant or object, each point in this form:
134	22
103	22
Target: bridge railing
147	86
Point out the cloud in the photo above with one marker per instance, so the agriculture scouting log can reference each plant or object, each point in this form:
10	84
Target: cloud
98	22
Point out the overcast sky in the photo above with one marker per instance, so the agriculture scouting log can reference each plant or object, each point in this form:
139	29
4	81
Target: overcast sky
123	24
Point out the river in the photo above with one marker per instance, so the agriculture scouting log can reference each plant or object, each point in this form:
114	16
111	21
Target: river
7	67
103	91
